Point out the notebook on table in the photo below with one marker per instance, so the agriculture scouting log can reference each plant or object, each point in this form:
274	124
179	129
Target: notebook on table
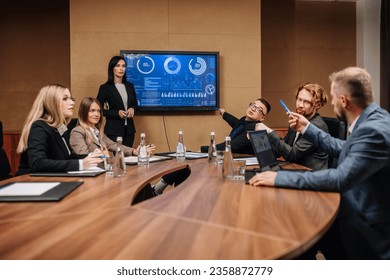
91	172
189	155
265	155
133	160
36	191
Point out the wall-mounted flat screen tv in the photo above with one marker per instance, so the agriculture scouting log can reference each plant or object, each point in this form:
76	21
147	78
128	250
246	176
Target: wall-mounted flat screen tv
174	80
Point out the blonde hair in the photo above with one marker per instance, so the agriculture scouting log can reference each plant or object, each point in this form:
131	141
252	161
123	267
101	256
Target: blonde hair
46	107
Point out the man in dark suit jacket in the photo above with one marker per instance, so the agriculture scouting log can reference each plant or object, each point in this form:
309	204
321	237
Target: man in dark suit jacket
295	148
362	175
255	113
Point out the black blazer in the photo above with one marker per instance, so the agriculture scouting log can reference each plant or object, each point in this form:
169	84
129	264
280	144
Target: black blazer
46	151
240	143
302	151
109	95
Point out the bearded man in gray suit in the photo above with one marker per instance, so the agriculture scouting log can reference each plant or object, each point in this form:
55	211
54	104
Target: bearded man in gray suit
362	174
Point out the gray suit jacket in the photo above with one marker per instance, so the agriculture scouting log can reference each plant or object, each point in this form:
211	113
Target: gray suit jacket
80	145
363	179
302	151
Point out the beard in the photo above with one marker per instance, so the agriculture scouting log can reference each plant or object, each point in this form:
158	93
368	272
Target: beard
341	115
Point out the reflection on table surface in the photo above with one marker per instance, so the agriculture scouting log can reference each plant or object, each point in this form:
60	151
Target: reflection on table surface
206	217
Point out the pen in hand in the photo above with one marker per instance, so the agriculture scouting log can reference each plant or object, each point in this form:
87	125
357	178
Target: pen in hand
285	107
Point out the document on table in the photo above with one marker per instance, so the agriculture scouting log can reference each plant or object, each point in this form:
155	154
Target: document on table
132	160
191	155
88	170
27	188
249	160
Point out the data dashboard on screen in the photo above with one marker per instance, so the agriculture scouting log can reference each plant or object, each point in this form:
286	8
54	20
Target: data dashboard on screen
174	80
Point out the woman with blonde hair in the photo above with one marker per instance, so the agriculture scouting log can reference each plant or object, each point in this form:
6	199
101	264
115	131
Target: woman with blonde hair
42	145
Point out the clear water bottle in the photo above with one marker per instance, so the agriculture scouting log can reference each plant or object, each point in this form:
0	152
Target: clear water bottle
119	166
143	157
212	152
180	148
228	164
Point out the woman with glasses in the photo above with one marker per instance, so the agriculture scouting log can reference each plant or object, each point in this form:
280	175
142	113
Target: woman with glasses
255	113
43	144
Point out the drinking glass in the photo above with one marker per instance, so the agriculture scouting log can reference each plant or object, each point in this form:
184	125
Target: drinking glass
220	155
108	164
239	170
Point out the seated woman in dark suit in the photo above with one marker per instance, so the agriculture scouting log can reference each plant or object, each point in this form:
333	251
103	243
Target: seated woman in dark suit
89	135
42	144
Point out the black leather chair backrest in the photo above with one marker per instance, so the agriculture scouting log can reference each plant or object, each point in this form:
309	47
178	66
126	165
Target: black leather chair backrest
1	135
337	129
72	124
5	168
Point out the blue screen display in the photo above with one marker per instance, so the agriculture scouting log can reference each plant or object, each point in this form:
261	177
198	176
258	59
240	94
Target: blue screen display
174	80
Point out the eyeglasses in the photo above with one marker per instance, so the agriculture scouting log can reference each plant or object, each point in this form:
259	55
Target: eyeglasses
255	108
66	98
306	103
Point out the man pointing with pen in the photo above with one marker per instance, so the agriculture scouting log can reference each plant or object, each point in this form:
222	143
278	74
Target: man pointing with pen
362	175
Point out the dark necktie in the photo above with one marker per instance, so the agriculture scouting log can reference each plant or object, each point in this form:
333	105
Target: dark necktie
236	131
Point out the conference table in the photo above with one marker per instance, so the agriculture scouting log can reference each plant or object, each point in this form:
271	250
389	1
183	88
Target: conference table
206	217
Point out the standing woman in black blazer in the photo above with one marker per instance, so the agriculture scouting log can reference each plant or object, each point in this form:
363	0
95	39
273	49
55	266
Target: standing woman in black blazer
44	145
119	102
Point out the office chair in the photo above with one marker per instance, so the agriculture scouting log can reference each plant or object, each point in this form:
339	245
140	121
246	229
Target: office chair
337	129
5	168
72	124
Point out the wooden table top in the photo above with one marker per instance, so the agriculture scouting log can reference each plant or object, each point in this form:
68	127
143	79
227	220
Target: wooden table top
206	217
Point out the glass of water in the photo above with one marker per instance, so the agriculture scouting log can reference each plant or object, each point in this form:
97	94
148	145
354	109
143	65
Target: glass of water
220	155
239	170
108	164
